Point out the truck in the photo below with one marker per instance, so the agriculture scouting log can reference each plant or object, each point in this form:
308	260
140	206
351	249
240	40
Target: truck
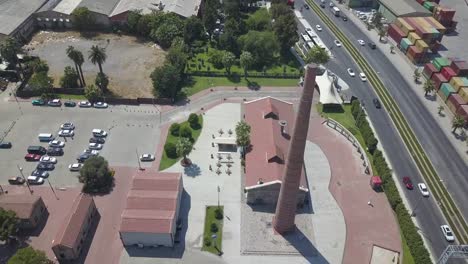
336	11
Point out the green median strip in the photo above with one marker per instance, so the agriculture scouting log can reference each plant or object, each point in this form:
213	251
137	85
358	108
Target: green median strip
446	203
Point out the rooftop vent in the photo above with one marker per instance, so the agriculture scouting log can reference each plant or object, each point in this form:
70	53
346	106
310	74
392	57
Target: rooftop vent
260	181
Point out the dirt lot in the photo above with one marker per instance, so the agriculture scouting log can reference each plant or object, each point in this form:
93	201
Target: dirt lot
129	61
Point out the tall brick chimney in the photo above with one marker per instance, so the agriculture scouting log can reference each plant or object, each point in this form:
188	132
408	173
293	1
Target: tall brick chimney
287	200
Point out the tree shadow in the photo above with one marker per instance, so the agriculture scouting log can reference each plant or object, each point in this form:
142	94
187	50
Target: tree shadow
89	34
431	97
193	170
252	85
332	108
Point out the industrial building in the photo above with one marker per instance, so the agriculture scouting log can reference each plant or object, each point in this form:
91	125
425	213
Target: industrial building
392	9
30	209
153	204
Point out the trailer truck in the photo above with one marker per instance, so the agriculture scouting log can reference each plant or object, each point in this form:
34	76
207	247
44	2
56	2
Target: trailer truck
336	11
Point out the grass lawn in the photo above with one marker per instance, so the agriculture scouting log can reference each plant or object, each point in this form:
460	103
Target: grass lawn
167	162
407	257
210	218
198	84
72	97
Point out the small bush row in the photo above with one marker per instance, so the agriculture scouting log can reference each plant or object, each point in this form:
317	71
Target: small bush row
184	130
363	125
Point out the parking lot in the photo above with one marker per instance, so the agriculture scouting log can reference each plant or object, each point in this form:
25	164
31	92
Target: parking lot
131	130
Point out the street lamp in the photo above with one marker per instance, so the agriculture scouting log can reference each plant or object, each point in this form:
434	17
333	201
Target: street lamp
27	183
138	159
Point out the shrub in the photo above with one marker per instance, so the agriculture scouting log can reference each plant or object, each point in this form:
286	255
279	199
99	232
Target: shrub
175	129
193	121
219	214
371	143
207	241
214	227
185	131
170	149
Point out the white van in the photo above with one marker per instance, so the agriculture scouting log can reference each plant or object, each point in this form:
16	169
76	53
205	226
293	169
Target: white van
45	137
99	133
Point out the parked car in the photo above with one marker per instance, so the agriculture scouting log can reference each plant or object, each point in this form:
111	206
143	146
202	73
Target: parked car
38	102
66	133
423	189
306	6
97	140
318	27
75	166
99	133
376	103
100	105
32	157
47	159
40	173
57	144
16	180
54	151
54	102
351	72
84	104
345	18
45	166
35	180
94	146
69	104
361	42
372	45
91	152
37	150
147	157
5	145
83	157
362	76
448	234
408	183
337	43
67	126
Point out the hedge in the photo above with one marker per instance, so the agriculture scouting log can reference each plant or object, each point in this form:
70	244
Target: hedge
409	230
170	149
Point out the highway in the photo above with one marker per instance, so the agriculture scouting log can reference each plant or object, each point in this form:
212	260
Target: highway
440	151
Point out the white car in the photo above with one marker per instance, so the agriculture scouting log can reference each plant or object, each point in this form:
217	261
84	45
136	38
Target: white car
147	157
91	152
351	72
55	102
423	189
68	125
362	76
448	234
66	133
94	146
84	104
99	133
361	42
35	180
75	166
318	27
337	43
100	105
57	144
47	159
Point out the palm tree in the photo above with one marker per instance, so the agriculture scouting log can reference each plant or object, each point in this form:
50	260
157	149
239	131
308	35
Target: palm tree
440	109
458	122
80	61
97	55
416	75
71	53
382	33
428	87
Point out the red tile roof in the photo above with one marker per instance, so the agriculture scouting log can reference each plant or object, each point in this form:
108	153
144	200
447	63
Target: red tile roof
22	205
152	202
69	232
266	160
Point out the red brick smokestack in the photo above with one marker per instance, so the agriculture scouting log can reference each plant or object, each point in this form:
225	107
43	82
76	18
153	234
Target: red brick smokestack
287	201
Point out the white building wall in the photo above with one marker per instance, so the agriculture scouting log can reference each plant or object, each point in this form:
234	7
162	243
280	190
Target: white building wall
147	239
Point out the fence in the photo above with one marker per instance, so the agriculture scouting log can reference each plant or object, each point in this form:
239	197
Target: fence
25	93
250	74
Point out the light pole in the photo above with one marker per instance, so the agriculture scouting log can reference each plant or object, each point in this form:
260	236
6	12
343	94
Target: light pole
56	197
27	183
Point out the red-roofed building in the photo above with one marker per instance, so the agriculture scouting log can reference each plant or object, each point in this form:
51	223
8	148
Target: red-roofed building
68	243
271	122
30	209
152	209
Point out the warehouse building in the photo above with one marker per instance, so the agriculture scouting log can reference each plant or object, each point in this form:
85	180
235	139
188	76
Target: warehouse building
152	210
272	122
30	209
392	9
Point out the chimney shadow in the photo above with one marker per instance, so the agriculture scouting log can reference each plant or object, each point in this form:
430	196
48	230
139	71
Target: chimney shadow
305	247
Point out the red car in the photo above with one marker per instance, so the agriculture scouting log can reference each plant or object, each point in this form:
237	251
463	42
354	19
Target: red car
408	183
32	157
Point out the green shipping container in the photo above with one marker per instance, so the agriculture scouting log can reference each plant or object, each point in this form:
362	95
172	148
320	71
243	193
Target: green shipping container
446	89
441	62
429	5
405	43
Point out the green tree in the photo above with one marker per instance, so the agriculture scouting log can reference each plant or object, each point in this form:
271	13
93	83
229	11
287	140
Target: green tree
8	224
382	33
280	9
228	42
145	24
73	55
174	129
440	109
170	149
194	121
166	81
215	57
260	20
92	93
392	49
228	61
285	28
183	147
416	75
232	26
243	135
133	18
69	78
38	66
102	81
193	30
29	255
40	81
177	56
262	45
377	20
82	18
97	55
246	61
231	8
458	122
429	88
317	55
9	49
185	131
96	175
166	33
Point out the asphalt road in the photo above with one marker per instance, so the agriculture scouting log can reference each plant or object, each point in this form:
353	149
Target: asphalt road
439	149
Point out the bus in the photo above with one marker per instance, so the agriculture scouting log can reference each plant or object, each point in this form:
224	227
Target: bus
305	38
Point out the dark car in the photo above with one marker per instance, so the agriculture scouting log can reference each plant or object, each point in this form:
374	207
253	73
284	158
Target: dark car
306	6
83	157
40	173
345	18
55	151
97	140
16	180
372	45
45	166
377	103
5	145
69	104
408	183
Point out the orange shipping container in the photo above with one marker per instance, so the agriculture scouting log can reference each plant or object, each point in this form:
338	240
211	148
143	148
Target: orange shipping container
458	83
406	27
421	22
413	37
451	105
422	45
463	92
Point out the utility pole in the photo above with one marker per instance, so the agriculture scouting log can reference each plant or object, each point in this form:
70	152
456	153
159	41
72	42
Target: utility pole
27	183
138	159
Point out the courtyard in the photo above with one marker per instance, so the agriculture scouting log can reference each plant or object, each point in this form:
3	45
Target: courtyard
129	61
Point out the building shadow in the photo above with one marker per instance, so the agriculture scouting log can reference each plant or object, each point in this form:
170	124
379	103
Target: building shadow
193	170
177	251
305	247
35	232
87	242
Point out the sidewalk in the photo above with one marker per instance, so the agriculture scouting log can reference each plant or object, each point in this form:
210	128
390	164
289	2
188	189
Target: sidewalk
406	69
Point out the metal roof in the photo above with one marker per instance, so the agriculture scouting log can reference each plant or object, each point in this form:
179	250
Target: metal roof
185	8
104	7
404	7
14	12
